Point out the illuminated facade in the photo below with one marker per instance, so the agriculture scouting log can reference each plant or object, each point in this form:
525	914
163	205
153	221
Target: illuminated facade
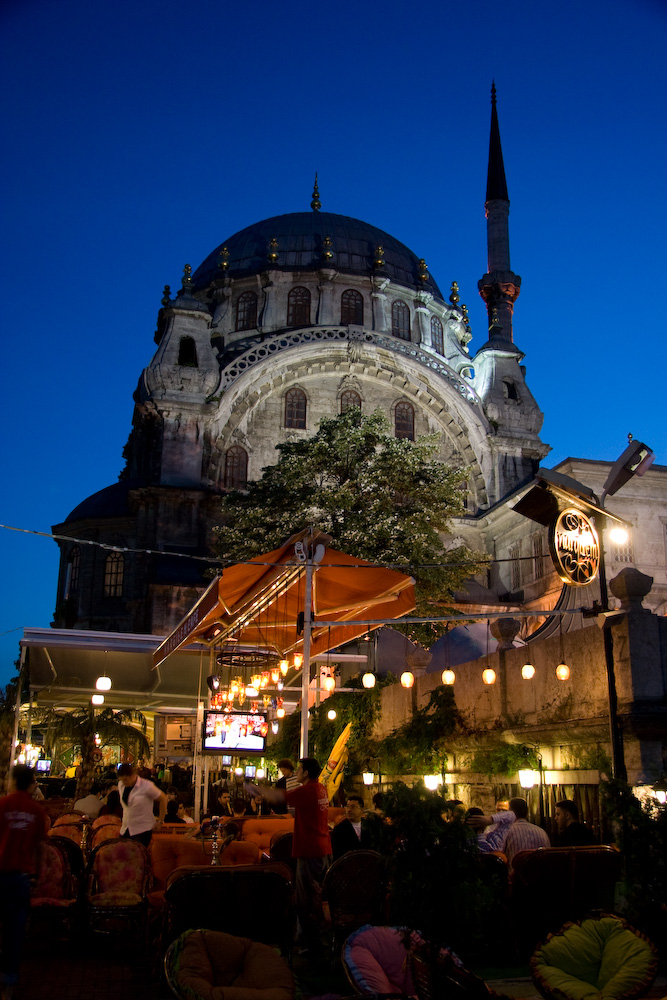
292	319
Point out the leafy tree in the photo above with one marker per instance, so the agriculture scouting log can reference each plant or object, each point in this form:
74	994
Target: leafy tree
381	498
7	708
81	726
418	745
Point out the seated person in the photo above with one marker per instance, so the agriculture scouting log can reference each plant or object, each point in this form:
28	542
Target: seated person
258	807
239	807
223	806
572	833
91	804
490	830
182	814
112	805
171	815
350	834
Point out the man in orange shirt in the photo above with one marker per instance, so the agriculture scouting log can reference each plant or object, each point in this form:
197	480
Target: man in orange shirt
23	825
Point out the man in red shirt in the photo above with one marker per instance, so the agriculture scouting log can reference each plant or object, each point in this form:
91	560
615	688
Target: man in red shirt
23	825
311	845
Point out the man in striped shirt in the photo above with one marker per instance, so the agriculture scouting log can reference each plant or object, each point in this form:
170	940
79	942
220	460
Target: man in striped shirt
522	835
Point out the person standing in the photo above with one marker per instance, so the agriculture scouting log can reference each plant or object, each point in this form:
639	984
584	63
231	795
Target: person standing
311	845
23	825
138	795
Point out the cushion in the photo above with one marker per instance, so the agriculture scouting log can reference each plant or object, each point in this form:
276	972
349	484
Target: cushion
115	899
602	959
210	965
378	961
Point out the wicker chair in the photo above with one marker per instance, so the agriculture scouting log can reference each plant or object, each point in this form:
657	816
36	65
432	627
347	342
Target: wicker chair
117	879
206	963
354	889
53	895
601	956
280	849
75	859
254	901
109	820
108	831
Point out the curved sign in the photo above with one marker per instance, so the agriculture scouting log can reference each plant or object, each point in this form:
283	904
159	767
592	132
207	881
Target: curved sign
575	548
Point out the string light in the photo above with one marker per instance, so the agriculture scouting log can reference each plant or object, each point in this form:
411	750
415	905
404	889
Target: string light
407	679
489	676
448	676
368	680
527	671
563	672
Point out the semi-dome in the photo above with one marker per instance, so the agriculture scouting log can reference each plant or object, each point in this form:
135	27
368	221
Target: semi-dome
303	241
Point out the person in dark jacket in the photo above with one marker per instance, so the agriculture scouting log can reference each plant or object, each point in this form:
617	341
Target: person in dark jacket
572	833
349	834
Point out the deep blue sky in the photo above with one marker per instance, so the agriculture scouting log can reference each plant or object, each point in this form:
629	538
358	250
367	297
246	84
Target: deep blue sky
139	135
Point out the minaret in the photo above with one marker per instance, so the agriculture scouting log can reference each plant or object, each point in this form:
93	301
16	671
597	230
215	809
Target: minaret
500	286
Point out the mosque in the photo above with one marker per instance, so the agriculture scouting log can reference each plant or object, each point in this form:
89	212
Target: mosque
295	318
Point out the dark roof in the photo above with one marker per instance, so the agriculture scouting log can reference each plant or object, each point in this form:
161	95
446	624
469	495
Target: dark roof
109	502
299	238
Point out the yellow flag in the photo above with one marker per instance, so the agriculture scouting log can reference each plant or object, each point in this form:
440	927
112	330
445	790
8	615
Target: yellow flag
332	772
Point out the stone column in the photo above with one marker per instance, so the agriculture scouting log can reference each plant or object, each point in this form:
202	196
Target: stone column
325	306
379	304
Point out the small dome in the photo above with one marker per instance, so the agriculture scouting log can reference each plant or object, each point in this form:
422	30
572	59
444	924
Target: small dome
299	245
109	502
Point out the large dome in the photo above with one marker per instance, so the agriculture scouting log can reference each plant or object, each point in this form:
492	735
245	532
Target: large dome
300	246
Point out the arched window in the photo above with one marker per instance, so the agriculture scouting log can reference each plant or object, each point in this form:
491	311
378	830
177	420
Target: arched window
351	308
404	421
187	353
246	311
400	320
350	400
295	409
236	468
72	574
114	570
298	307
437	342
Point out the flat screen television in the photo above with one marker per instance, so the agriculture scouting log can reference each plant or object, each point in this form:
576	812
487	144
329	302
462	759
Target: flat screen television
250	771
234	732
42	767
226	760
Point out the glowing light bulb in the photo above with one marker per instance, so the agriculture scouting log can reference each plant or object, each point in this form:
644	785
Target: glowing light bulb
284	667
298	660
448	676
331	714
527	671
329	683
618	535
103	683
97	699
489	676
407	679
562	672
368	680
280	712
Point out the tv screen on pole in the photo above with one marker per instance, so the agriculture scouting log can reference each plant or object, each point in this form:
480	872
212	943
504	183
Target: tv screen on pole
234	732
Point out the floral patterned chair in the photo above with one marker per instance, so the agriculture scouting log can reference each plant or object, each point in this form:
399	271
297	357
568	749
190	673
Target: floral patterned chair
117	880
105	821
108	831
53	894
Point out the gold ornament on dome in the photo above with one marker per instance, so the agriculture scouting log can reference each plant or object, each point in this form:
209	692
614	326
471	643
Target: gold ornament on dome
454	297
223	262
423	270
575	548
273	250
315	204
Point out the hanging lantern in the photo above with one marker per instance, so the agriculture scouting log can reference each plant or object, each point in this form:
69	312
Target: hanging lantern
448	676
280	685
527	671
283	667
97	699
329	683
563	672
528	778
280	712
298	660
275	726
264	680
432	781
407	679
331	714
489	676
368	777
256	680
275	675
368	680
266	700
251	691
103	683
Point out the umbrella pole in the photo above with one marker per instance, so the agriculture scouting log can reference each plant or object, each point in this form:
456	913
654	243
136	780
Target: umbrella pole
312	561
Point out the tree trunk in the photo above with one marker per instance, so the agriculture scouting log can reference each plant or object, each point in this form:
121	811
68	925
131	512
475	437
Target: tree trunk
87	772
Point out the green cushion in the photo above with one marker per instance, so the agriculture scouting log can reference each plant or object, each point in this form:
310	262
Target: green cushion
603	959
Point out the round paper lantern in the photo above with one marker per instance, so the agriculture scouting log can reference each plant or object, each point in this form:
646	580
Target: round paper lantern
407	679
448	676
489	676
368	680
527	671
562	672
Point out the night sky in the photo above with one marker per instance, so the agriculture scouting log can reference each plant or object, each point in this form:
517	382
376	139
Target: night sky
139	135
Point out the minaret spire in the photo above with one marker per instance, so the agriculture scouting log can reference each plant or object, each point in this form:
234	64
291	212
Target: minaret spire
500	286
315	204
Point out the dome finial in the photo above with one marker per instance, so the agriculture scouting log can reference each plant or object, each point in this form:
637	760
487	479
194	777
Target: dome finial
315	204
